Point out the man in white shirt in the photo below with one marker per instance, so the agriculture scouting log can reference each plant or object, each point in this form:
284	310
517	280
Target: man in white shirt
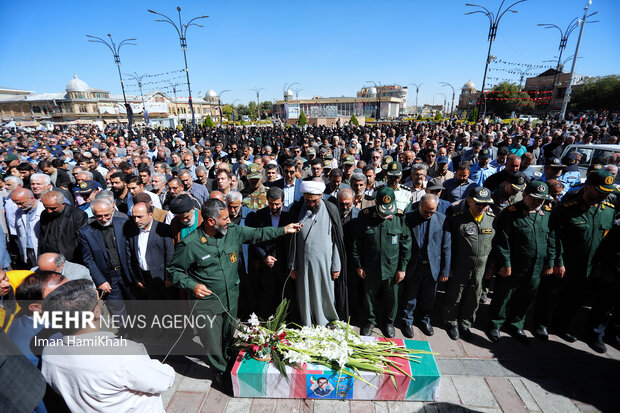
95	371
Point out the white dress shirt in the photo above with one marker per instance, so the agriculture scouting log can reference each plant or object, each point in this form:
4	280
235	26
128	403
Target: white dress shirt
143	240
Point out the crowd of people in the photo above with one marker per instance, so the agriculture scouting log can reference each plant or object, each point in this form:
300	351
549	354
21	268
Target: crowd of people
360	223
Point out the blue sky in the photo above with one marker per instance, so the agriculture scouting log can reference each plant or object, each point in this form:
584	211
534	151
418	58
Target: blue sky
330	47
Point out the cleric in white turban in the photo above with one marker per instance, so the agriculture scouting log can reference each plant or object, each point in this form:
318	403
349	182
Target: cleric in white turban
313	187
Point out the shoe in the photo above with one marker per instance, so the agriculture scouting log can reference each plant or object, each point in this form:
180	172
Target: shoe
519	335
568	337
597	345
367	330
542	333
407	331
465	333
493	334
427	328
483	298
389	331
453	332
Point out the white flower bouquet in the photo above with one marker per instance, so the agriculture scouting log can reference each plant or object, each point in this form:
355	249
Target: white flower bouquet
336	346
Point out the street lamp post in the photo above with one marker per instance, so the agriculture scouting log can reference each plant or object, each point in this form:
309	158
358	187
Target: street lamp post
417	91
564	35
378	114
173	87
219	103
569	88
182	32
257	90
285	94
138	79
494	19
453	93
117	61
233	110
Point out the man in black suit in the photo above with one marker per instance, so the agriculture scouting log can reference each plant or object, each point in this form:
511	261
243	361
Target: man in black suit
430	262
267	260
105	254
149	251
59	226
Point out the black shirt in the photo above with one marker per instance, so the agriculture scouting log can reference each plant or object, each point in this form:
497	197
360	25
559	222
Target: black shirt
109	239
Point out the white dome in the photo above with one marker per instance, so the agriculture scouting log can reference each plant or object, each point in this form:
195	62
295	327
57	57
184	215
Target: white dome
77	85
211	93
469	85
372	92
288	93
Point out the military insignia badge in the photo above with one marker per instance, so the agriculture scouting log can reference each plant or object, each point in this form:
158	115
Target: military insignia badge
233	257
83	185
204	240
484	193
394	166
541	188
387	199
609	180
470	229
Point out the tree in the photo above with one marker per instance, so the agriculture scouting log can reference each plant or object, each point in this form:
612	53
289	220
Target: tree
438	116
420	117
302	119
354	121
507	97
208	122
473	115
252	108
597	93
243	110
227	111
266	108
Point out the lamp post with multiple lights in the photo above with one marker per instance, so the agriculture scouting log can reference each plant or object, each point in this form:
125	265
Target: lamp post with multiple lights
182	32
494	19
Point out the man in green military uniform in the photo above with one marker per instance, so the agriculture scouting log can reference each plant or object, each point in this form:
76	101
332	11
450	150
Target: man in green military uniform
402	194
472	232
582	220
381	252
255	195
525	248
206	262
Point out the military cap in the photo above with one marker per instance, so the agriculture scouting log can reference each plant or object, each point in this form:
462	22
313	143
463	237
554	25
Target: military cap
538	190
311	151
255	171
394	169
327	164
602	180
443	160
517	180
181	204
348	160
11	157
386	201
484	154
481	195
86	187
434	184
554	163
571	162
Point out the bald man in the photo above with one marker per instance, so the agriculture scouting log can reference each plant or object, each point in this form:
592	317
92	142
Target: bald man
51	261
218	195
27	218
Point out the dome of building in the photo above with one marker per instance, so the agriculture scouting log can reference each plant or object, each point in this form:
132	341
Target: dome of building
469	85
77	85
211	93
372	92
288	93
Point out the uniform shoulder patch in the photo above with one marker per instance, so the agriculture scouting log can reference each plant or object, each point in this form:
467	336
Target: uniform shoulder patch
365	211
405	188
490	213
547	207
609	204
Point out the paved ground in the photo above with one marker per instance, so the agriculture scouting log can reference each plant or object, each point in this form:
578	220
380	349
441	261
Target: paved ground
476	376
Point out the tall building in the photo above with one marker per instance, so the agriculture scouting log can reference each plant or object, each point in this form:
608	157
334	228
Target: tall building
544	82
81	104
